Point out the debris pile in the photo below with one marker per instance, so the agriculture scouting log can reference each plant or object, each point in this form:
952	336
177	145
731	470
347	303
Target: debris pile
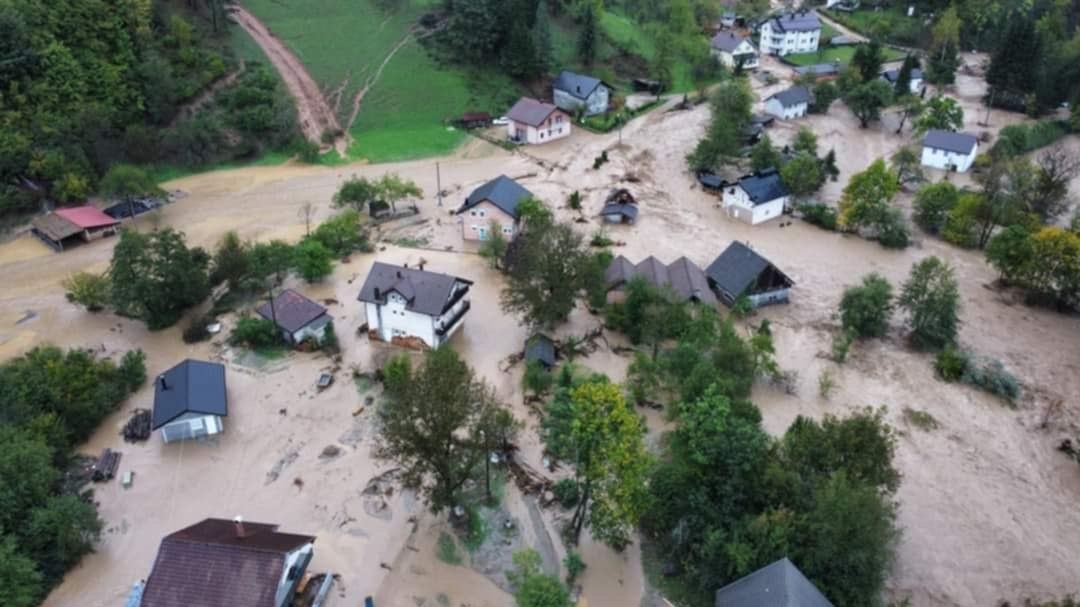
138	427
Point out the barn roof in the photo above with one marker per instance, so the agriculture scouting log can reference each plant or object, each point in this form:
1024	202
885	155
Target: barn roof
292	311
502	192
737	268
531	111
685	278
193	386
87	217
780	584
425	292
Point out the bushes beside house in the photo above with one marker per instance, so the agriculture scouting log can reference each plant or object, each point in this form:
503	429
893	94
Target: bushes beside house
1017	139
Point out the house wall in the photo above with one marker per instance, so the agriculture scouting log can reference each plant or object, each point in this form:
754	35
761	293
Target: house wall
944	160
392	320
191	425
597	102
285	584
769	297
737	204
96	233
480	216
730	59
783	43
774	107
313	330
555	127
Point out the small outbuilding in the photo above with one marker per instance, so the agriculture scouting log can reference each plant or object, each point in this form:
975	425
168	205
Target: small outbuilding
540	349
915	84
683	278
779	584
573	92
620	207
62	226
297	317
947	150
740	271
756	198
789	103
532	121
190	401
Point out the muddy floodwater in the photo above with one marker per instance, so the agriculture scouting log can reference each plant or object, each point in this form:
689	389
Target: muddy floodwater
987	507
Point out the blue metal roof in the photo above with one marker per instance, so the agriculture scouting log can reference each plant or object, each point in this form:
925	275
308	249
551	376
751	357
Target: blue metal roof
764	186
193	386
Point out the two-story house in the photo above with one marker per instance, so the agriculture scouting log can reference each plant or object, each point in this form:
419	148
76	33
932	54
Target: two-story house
577	91
412	307
495	201
789	103
531	121
756	198
947	150
734	51
790	33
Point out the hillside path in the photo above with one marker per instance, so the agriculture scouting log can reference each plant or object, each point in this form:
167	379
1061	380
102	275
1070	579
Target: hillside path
313	110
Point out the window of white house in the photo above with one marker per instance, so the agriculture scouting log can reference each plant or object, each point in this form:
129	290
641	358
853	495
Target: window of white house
473	228
481	213
472	213
508	230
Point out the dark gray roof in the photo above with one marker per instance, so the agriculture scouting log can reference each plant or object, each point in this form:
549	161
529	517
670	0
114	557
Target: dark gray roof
193	386
685	278
689	282
619	272
961	143
819	69
502	192
893	75
578	85
425	292
629	211
803	21
764	186
292	311
737	268
530	111
540	348
780	584
727	41
793	96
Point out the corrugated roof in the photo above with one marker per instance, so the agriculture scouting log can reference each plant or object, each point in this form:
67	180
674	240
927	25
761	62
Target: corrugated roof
689	282
502	192
780	584
292	310
55	227
211	564
425	292
737	268
619	272
727	41
87	217
577	85
764	186
193	386
685	278
961	143
530	111
803	21
793	96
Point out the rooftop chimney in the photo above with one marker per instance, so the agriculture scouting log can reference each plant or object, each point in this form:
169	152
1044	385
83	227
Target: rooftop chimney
161	380
238	521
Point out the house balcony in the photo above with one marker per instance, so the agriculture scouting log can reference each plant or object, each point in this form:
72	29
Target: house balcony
447	328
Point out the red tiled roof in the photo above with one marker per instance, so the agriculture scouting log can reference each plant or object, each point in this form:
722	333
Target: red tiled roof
87	217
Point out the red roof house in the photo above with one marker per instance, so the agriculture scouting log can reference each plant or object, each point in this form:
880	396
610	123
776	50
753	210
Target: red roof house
86	222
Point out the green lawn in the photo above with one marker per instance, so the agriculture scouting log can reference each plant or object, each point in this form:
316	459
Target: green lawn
889	25
841	53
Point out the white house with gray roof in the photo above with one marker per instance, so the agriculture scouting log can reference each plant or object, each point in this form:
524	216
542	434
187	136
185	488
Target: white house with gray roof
789	103
531	121
789	33
411	306
733	50
576	91
756	198
949	151
495	201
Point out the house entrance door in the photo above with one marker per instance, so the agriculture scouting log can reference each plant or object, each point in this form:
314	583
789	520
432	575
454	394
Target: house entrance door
481	232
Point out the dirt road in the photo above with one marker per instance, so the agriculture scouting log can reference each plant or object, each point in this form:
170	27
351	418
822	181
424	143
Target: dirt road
313	110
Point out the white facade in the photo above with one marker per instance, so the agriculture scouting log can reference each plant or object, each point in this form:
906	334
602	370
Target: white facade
191	425
946	160
596	103
776	42
737	204
392	319
315	330
731	59
556	126
774	107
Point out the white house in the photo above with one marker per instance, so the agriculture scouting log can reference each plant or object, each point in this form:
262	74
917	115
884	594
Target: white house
947	150
495	201
797	32
789	103
234	563
740	272
733	50
408	305
533	122
915	85
190	401
574	91
756	198
297	317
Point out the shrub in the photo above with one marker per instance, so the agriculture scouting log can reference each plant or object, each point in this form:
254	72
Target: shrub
920	419
826	383
330	341
537	379
893	231
951	363
821	215
448	550
742	307
840	346
196	331
312	259
1017	139
254	333
566	491
994	378
89	290
132	369
397	373
574	566
865	310
601	239
574	201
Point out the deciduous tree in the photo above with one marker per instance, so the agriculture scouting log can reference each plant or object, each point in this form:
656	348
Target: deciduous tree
88	290
802	175
866	197
20	581
155	276
731	111
933	204
764	155
312	260
940	112
931	298
865	310
867	99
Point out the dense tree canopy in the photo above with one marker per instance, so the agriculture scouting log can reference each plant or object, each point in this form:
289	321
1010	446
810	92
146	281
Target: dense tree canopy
156	276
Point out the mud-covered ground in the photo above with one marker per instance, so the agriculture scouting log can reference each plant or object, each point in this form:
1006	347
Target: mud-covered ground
987	507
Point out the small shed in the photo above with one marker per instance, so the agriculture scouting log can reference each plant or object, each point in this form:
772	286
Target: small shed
620	207
297	317
540	348
711	181
60	227
474	120
190	400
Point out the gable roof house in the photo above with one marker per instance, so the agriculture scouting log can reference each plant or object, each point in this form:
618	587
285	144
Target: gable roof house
540	349
297	317
914	85
797	32
190	401
531	121
497	201
789	103
733	50
740	271
683	278
62	226
572	92
779	584
412	307
947	150
220	563
756	198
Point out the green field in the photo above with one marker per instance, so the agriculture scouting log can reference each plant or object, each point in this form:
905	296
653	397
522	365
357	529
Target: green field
841	53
